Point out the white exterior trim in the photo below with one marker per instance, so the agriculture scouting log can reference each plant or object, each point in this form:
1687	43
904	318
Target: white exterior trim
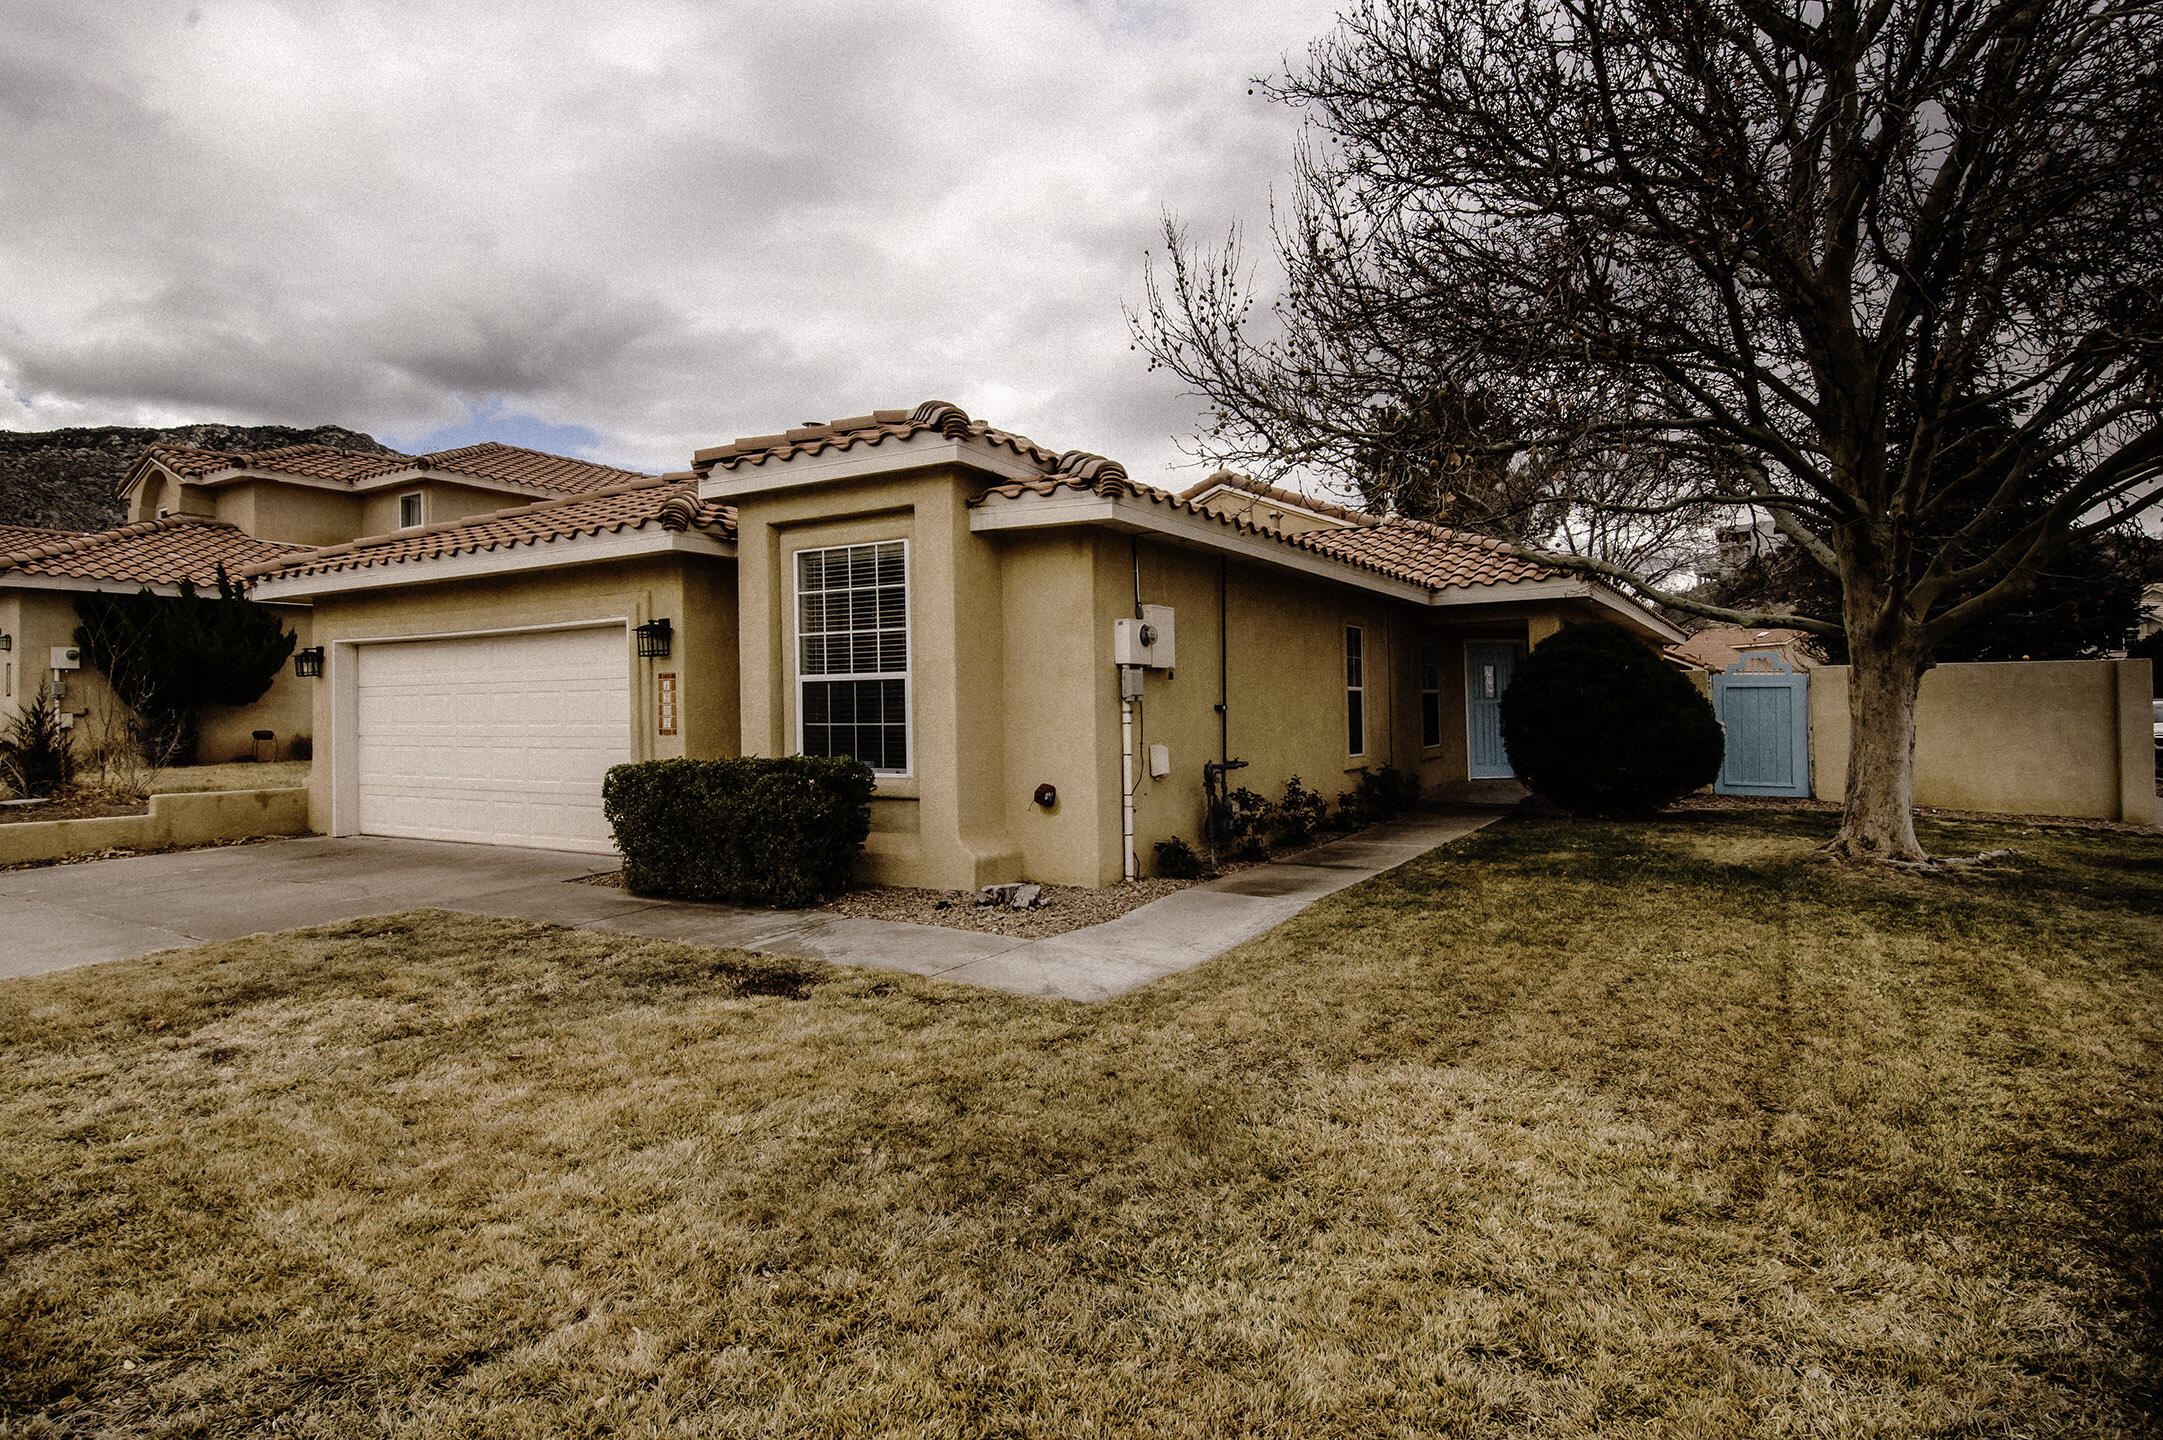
506	559
341	672
860	460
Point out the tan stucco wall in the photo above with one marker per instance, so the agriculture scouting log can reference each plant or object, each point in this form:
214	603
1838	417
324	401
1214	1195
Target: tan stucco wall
946	823
287	709
171	821
290	514
440	501
40	619
300	514
2050	737
691	592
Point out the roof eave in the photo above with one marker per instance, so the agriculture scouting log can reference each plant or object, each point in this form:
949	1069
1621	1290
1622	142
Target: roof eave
759	474
507	557
1136	514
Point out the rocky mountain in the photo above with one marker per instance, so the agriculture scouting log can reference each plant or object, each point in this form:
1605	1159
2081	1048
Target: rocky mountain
66	479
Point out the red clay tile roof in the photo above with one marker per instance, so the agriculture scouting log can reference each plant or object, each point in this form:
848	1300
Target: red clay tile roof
1252	486
505	464
873	429
26	537
1429	555
1717	648
671	504
148	552
1407	550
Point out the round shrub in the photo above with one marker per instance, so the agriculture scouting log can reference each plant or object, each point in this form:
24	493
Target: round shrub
1596	721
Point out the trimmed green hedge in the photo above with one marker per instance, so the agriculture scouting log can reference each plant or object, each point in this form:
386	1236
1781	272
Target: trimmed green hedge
753	830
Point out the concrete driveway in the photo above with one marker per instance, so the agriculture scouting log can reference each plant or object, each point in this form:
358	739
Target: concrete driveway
68	915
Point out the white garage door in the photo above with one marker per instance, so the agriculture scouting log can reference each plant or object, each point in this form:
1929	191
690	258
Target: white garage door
499	739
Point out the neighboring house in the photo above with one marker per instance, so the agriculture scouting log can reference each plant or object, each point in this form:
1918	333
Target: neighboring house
1719	650
939	597
2151	604
193	512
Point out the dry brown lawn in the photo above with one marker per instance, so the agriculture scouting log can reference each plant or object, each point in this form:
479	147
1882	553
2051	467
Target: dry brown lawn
1564	1130
269	775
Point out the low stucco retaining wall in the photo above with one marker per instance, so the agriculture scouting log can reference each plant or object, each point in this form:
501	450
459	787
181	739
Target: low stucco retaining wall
173	822
2021	737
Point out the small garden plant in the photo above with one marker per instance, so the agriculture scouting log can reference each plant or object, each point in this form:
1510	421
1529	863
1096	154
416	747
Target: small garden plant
37	755
1176	860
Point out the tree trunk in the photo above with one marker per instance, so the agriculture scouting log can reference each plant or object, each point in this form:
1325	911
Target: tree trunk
1877	816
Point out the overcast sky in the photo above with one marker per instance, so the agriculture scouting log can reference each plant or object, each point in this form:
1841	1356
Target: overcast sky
622	229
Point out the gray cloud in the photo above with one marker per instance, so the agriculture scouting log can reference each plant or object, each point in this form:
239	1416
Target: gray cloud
670	223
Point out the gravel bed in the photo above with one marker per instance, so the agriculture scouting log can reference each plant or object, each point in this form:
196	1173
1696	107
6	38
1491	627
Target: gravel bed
77	805
1063	907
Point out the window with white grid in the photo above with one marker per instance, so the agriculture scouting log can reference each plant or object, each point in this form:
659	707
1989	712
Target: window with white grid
852	653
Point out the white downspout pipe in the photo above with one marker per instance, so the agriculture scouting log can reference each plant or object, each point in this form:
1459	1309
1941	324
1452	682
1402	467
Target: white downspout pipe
1129	677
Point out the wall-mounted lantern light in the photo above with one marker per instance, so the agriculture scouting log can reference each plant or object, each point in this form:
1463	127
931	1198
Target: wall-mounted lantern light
653	637
7	642
308	663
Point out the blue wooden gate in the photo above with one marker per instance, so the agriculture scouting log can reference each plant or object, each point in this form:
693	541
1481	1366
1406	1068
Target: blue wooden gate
1764	706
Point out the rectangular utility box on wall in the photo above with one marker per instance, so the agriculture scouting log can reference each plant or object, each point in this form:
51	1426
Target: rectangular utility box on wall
1146	642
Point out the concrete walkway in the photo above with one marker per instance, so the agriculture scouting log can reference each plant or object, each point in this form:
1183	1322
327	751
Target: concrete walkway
70	915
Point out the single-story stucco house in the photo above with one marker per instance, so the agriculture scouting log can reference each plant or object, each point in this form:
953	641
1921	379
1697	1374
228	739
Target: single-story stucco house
939	597
193	512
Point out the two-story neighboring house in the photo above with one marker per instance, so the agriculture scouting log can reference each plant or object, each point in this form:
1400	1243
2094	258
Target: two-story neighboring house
194	512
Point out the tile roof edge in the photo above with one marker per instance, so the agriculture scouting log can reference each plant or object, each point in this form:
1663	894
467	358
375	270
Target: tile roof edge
1232	479
76	544
1015	489
345	549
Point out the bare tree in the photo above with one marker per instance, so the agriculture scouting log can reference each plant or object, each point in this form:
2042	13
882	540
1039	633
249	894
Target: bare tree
1706	258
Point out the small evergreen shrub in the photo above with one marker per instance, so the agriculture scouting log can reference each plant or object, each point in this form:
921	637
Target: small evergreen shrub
37	756
1299	814
168	656
751	830
1176	860
1597	722
1381	795
1253	816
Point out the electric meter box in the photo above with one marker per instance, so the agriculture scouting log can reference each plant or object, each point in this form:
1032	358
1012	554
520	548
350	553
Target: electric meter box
67	657
1146	642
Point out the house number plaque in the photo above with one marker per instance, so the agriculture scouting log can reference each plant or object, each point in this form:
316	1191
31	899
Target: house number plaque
665	701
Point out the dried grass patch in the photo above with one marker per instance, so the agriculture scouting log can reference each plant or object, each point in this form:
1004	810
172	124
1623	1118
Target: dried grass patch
1564	1130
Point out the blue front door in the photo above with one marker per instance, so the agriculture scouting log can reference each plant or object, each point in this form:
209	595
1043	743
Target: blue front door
1488	665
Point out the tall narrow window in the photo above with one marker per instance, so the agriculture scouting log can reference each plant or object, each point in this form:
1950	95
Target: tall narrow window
1355	689
1430	693
852	653
409	511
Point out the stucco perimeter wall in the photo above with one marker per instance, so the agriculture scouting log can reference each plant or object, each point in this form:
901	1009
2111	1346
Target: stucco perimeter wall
692	593
2046	737
174	821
